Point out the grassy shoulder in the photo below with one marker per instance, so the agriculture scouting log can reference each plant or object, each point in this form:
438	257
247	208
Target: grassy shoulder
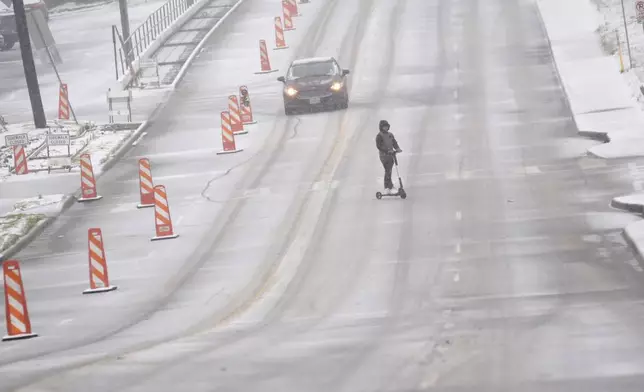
15	226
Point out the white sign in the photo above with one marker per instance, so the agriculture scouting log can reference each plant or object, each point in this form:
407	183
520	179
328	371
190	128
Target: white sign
20	139
58	139
639	9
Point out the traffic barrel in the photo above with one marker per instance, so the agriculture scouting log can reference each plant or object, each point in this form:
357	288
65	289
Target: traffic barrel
15	301
146	185
88	181
20	160
162	218
236	124
293	7
63	102
265	62
280	41
288	16
227	136
99	281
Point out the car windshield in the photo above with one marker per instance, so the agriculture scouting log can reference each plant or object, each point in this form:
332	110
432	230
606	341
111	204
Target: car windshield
326	68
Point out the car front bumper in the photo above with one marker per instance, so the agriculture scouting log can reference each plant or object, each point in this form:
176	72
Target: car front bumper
312	100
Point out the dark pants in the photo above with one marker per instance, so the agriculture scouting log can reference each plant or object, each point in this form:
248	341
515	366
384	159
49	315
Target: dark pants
388	164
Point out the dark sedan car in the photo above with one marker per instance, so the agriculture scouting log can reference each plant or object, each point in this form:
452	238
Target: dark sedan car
315	83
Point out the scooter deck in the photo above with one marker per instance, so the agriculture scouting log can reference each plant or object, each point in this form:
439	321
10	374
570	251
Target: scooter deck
401	193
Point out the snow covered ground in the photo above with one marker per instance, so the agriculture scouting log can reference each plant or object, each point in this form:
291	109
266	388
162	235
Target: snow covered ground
99	141
25	215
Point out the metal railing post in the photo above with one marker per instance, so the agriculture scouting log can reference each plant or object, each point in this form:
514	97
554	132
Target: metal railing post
116	66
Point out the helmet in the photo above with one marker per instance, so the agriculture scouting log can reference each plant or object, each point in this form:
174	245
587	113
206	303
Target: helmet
384	125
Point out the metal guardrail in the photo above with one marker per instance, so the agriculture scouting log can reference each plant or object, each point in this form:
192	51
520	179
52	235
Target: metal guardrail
128	50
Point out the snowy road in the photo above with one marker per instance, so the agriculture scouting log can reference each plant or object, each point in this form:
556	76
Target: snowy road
503	270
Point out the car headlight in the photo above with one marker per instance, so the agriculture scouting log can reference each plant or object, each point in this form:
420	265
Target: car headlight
290	91
336	86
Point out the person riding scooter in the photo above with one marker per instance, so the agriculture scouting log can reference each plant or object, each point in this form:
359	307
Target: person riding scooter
388	148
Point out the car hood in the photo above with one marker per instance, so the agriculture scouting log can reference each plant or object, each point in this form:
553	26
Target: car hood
312	82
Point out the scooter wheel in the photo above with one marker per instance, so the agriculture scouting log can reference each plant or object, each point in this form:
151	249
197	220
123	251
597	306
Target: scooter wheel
403	194
378	195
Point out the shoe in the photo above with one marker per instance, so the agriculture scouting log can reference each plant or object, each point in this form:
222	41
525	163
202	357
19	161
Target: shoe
393	191
387	191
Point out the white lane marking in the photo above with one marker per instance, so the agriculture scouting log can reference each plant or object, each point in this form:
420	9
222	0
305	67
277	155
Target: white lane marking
66	321
459	215
457	277
139	139
458	142
455	94
458	247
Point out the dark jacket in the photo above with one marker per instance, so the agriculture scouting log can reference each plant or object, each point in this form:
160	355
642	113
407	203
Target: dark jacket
386	143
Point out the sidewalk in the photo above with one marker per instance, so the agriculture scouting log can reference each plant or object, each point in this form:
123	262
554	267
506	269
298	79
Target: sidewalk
603	101
600	97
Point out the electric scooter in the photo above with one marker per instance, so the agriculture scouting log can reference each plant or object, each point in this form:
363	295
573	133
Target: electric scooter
401	191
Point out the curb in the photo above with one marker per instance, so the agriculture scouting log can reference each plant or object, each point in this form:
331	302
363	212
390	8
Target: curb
197	49
632	243
599	136
556	65
125	146
70	199
628	207
593	154
27	238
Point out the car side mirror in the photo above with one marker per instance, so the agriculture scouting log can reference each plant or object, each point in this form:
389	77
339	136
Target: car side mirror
281	79
345	72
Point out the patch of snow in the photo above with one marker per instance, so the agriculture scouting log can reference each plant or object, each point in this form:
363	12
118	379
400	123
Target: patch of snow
98	141
103	147
26	214
15	226
42	204
633	202
620	148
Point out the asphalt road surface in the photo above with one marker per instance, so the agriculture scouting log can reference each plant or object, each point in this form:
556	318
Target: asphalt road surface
504	270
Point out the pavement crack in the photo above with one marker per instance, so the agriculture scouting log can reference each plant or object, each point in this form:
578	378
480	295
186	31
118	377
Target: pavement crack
295	128
220	176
